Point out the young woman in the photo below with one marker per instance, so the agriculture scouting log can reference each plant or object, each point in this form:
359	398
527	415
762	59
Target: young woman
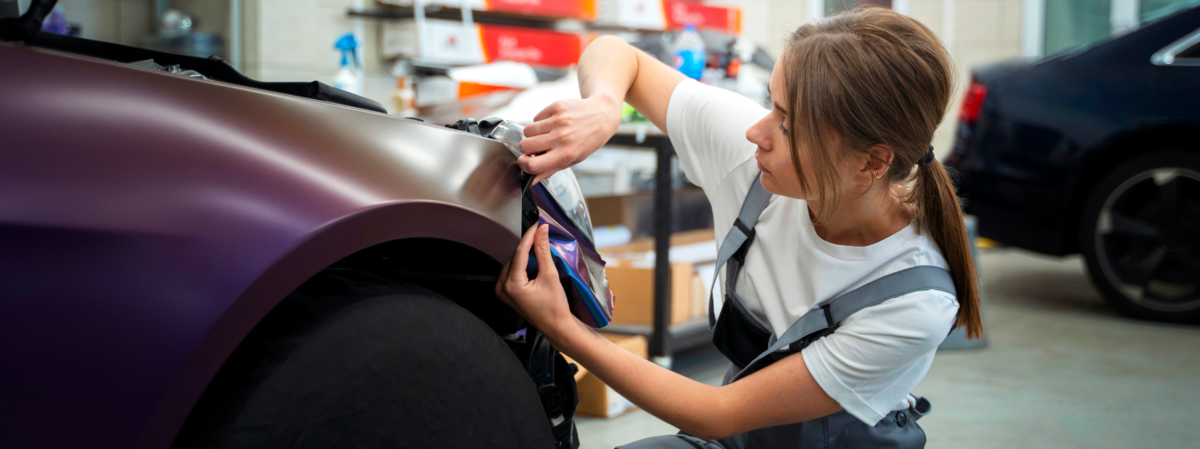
845	149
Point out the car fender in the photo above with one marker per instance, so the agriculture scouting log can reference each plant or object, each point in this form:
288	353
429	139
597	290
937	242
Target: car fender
149	220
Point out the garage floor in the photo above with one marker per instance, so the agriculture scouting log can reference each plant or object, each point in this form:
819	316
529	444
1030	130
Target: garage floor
1061	370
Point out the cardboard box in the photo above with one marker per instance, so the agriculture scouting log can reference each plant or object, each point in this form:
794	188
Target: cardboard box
633	292
598	399
630	274
699	301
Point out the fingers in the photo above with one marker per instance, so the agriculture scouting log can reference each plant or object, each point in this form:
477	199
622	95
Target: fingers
544	175
549	162
544	257
502	281
543	122
546	113
538	144
539	127
521	258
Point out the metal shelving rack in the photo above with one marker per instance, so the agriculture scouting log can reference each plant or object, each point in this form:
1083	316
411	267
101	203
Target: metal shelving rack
665	339
468	16
426	11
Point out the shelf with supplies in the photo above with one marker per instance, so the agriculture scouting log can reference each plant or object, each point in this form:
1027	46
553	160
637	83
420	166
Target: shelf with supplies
605	15
441	35
536	9
455	14
667	333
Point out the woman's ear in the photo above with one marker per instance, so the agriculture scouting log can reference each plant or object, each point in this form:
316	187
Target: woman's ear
879	158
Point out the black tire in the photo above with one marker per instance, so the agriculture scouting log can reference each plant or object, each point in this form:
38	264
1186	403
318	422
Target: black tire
1140	237
351	360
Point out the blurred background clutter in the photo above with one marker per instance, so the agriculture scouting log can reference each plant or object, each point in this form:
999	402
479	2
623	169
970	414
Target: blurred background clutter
1058	368
406	56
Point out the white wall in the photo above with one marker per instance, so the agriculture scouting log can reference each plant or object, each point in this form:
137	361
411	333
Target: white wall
292	40
975	31
984	31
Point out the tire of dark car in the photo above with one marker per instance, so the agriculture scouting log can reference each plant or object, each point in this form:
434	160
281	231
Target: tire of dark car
352	360
1140	237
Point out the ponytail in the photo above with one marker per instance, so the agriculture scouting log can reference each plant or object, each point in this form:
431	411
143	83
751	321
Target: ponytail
940	212
872	76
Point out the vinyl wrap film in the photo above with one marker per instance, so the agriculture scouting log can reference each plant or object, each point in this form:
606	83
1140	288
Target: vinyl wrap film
580	267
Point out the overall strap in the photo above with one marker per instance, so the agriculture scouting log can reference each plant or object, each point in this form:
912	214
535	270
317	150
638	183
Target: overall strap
816	322
739	237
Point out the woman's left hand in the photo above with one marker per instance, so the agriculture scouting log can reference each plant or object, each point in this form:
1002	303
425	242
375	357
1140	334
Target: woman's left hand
541	301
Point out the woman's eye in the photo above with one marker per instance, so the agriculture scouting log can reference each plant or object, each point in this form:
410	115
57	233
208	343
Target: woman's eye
782	128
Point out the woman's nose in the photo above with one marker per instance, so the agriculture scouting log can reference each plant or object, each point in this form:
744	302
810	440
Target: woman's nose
760	134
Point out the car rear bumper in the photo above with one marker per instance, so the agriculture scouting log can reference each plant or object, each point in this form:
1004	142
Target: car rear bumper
1011	207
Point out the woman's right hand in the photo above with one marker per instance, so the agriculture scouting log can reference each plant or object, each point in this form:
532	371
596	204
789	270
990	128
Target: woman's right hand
567	132
611	72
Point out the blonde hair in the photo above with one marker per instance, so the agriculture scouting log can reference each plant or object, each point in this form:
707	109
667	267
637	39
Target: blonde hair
867	77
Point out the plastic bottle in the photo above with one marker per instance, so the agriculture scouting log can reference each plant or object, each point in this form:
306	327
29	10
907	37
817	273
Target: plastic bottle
347	77
405	95
690	52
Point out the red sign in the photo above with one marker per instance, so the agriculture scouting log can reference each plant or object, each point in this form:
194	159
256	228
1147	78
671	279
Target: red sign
717	18
531	46
573	9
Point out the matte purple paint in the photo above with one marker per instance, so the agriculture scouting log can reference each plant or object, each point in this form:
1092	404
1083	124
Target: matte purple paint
148	221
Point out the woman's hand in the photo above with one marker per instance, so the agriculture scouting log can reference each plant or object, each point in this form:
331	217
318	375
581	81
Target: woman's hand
541	301
611	72
567	132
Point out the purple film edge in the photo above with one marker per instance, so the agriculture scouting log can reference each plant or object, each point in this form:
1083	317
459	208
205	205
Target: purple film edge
582	270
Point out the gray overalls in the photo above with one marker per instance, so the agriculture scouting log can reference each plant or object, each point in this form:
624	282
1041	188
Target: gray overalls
749	343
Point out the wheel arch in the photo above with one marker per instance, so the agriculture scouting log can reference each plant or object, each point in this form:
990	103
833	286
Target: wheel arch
464	234
1111	153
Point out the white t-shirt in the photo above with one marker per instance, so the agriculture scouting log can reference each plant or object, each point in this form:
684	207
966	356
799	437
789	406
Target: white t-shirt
873	361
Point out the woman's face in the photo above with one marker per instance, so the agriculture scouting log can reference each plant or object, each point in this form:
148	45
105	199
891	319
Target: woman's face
774	153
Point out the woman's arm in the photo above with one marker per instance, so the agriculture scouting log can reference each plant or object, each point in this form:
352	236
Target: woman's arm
782	393
611	72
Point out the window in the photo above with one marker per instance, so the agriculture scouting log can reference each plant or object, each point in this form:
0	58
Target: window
1071	23
1067	24
1153	9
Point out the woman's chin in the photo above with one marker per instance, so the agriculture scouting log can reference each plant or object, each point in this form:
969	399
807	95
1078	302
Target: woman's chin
768	182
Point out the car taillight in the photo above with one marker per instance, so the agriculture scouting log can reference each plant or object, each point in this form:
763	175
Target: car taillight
972	102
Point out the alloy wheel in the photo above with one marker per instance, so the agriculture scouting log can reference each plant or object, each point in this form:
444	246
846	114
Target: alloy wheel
1147	239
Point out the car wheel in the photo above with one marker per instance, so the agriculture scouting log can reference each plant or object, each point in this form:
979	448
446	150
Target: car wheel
351	360
1140	236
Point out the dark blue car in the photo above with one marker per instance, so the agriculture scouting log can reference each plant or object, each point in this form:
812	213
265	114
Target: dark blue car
1095	151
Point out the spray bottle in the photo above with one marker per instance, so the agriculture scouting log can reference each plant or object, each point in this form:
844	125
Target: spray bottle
347	77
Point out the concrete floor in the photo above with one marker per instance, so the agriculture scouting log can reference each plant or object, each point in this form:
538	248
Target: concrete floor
1061	370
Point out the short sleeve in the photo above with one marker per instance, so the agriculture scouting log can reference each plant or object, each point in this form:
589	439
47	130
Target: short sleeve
707	127
874	360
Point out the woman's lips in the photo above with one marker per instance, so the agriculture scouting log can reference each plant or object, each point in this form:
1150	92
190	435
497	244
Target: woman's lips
759	161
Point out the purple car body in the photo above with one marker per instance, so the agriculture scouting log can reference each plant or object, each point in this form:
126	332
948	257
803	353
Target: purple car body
148	221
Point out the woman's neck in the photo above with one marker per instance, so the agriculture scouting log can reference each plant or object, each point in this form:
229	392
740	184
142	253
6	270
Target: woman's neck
863	220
